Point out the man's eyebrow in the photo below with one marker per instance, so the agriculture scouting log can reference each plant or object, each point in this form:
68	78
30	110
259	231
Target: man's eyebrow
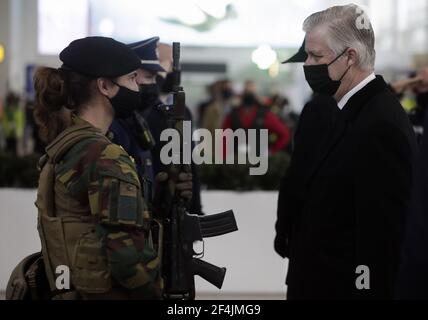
314	52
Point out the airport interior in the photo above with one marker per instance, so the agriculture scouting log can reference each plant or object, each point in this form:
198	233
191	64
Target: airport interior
230	51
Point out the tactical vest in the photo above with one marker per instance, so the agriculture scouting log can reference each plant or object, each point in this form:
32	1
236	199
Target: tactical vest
69	240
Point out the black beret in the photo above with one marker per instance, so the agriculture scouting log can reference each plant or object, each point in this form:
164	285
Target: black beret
99	57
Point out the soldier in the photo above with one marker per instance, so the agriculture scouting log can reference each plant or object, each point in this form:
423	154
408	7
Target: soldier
92	216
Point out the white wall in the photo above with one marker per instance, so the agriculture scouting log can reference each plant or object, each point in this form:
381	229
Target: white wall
253	268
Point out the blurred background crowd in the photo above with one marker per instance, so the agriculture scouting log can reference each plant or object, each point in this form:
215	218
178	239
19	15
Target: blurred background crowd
231	66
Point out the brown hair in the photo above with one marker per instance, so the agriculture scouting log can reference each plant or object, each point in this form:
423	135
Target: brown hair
57	89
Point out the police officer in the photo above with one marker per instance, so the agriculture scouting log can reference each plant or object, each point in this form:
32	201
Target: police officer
92	217
130	129
139	132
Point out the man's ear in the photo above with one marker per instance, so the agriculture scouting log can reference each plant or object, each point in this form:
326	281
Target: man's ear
352	57
105	86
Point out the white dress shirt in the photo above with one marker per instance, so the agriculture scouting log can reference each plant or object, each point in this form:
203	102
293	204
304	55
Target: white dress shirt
354	90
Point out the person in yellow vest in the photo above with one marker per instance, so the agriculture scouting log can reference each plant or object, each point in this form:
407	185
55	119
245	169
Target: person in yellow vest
13	122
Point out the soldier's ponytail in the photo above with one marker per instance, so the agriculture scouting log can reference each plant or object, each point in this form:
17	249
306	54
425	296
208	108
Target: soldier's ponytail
57	92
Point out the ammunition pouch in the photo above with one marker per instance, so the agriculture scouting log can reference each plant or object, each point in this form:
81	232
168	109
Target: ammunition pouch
90	267
74	243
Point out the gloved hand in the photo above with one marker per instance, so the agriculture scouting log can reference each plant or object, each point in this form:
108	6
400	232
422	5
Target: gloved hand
184	184
281	246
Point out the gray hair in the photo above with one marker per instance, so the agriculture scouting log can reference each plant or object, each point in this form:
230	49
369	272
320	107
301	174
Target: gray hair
347	26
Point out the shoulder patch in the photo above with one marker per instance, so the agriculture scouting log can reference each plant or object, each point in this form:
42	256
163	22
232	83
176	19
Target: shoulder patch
115	161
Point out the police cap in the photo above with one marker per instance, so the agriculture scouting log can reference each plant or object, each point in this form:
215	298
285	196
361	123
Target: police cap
146	50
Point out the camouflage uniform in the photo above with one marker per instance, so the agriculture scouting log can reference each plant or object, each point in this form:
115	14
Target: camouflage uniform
99	222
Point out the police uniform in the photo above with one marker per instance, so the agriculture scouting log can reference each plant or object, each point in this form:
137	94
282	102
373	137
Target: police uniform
92	216
156	119
132	134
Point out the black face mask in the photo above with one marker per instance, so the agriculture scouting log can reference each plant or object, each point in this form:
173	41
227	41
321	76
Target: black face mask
125	102
226	94
249	99
149	94
319	80
160	81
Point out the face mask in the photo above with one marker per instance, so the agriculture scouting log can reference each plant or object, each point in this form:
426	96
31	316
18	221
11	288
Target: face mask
319	80
149	94
160	81
125	102
226	94
249	99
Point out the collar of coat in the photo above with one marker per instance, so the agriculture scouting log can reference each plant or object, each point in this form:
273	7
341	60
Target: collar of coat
362	97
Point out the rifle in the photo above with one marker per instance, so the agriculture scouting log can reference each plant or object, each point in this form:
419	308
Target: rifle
180	263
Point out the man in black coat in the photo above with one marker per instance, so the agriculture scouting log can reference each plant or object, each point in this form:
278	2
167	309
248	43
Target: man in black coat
312	128
345	232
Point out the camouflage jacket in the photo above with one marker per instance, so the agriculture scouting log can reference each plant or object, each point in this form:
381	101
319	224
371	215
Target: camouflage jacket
99	179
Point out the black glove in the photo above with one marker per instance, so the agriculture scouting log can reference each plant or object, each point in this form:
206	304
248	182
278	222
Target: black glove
184	184
281	246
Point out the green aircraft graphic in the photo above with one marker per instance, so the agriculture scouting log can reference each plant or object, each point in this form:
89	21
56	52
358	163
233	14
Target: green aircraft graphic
209	23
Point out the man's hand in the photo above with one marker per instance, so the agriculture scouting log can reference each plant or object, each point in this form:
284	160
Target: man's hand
423	85
184	184
402	85
280	246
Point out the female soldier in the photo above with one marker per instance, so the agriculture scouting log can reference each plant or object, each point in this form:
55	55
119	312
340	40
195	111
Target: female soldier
93	220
